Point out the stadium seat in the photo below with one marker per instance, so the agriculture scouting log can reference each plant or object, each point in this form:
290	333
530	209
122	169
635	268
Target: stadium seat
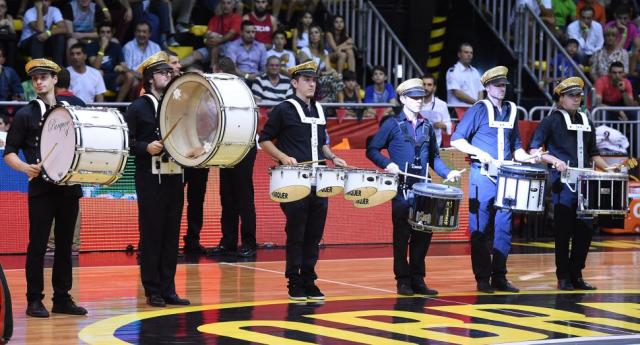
198	30
182	51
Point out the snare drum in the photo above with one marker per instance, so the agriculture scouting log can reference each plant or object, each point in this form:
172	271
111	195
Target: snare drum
434	207
521	188
289	183
360	183
83	145
217	118
329	181
602	193
387	190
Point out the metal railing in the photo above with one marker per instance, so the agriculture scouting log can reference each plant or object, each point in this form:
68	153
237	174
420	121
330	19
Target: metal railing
375	39
535	48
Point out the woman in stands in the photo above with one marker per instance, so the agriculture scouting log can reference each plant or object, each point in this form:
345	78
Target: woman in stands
301	32
316	50
341	45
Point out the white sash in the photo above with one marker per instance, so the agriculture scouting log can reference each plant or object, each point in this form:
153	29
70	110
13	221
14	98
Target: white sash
155	103
501	125
314	121
579	128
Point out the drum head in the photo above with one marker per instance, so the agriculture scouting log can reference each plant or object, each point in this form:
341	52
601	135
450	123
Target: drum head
290	193
437	190
57	143
192	102
523	170
380	197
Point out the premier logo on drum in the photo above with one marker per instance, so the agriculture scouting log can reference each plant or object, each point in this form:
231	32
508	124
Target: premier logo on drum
280	195
60	127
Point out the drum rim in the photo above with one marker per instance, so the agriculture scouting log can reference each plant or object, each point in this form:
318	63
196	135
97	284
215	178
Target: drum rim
291	167
446	186
604	176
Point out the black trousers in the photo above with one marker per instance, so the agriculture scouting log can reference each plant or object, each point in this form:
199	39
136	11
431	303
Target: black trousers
304	228
62	206
159	215
570	262
405	239
196	181
54	47
238	206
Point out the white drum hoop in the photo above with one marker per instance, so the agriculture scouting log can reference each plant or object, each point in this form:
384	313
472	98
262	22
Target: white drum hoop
230	119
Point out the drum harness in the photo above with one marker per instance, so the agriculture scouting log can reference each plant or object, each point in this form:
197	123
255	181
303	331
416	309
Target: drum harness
570	176
314	122
493	166
417	146
43	110
162	164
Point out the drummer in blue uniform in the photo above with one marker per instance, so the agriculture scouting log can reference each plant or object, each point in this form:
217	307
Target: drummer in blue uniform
489	133
569	137
410	141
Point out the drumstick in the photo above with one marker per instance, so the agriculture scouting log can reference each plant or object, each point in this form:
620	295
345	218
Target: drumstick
310	162
46	157
461	171
412	175
171	129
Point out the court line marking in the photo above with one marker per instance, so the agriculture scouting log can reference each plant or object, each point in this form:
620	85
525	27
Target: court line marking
577	339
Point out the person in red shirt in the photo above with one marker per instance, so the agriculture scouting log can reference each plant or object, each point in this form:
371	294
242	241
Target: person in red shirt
221	29
264	22
615	89
599	14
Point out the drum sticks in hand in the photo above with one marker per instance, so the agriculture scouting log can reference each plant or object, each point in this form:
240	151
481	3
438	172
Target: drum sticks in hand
46	157
171	129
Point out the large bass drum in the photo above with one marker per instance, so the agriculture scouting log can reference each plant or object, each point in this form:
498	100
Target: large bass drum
208	120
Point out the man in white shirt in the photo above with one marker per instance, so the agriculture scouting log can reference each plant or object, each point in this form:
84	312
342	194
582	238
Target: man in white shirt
463	81
39	32
434	109
588	33
86	82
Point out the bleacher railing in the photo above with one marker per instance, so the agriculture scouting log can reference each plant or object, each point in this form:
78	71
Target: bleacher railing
375	39
532	45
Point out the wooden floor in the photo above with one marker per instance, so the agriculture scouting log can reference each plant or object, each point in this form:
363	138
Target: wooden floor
256	291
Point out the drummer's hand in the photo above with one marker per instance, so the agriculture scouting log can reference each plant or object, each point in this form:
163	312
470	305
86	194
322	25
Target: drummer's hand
392	168
484	157
339	162
154	147
454	175
289	161
32	170
560	165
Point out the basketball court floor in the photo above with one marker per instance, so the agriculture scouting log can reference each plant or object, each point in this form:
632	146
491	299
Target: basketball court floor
242	302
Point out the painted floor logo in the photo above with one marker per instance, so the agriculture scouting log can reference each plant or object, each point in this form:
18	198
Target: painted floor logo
611	317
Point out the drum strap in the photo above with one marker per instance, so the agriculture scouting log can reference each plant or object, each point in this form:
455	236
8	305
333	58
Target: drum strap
314	121
501	125
43	107
155	103
417	160
579	128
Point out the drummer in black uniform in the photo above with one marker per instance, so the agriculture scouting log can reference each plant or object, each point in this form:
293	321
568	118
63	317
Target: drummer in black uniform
47	201
410	141
298	125
158	186
570	138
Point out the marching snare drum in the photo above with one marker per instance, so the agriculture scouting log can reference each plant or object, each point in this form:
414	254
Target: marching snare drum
601	193
214	118
329	181
434	207
289	183
387	190
360	183
521	188
84	145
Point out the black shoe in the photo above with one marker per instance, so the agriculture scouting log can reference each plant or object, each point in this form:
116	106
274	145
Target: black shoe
37	309
68	307
297	292
313	293
156	301
580	284
404	289
503	285
422	289
484	286
565	284
247	252
176	300
194	249
218	250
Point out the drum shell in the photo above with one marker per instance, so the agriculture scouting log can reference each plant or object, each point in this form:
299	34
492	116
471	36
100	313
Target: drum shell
603	194
289	183
329	181
520	188
92	150
360	183
434	207
387	188
233	114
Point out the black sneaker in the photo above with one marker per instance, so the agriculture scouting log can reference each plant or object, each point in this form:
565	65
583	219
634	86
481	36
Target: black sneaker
503	285
219	250
297	293
404	289
37	309
422	289
247	252
565	285
156	301
176	300
196	249
484	286
580	284
313	293
68	307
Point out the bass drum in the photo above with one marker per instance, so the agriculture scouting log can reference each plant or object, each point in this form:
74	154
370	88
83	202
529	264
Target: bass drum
208	120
